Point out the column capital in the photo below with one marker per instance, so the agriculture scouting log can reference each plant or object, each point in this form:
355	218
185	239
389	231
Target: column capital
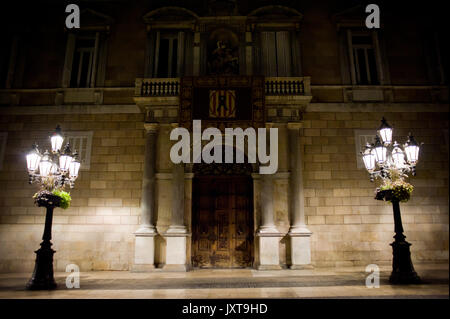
294	125
151	127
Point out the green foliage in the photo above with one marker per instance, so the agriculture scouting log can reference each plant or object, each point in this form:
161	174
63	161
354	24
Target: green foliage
401	190
65	198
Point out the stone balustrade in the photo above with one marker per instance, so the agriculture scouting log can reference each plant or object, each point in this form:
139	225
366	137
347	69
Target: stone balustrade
273	86
157	87
287	86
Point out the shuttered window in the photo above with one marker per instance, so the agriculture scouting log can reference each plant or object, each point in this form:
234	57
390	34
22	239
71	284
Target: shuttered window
276	53
362	137
3	137
82	143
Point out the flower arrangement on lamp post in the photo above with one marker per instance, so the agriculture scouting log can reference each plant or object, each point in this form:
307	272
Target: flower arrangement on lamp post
53	172
391	163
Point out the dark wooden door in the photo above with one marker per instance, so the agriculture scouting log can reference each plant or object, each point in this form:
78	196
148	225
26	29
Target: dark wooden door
222	222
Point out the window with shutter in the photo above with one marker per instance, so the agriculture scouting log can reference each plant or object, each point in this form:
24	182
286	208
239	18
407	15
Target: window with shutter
3	137
82	143
362	137
276	53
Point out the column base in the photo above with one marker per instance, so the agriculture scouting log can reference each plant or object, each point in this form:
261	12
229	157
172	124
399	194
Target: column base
300	247
403	272
175	268
176	248
42	278
142	268
300	267
269	250
268	267
144	249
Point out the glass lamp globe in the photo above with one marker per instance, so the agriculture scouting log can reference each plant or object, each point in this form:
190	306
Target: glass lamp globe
379	151
33	159
412	150
45	165
368	158
385	131
65	159
398	156
57	140
74	166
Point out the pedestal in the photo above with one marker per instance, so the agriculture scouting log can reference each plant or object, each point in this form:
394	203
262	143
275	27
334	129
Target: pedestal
402	268
42	277
269	249
300	249
144	250
176	249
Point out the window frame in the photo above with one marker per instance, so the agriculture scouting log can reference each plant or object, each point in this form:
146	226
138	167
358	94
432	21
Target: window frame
172	71
278	67
369	136
3	140
86	162
98	57
377	56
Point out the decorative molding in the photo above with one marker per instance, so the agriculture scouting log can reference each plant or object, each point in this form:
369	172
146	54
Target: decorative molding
377	107
70	109
151	127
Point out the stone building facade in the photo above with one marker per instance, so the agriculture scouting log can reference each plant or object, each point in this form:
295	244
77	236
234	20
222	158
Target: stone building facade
116	87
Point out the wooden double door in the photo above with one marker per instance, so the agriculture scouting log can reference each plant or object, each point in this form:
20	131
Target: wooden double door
222	222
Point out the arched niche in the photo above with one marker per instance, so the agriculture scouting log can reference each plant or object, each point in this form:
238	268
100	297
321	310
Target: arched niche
223	52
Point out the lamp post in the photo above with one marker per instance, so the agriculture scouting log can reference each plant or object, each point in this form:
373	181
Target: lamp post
387	161
52	171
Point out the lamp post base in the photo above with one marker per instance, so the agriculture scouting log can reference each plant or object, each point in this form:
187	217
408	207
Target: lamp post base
42	278
402	267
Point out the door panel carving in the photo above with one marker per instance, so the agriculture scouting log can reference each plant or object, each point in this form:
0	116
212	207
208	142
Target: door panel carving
222	222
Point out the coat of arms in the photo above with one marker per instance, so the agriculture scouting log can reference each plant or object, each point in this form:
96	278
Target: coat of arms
222	103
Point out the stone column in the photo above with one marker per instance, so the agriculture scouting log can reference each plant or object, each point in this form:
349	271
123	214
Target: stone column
144	250
177	232
248	53
269	236
299	234
196	54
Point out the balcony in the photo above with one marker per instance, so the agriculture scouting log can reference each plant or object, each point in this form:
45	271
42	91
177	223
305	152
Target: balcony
167	87
156	87
285	97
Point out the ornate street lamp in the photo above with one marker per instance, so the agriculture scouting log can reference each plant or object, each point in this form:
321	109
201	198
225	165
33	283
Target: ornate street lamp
386	160
53	172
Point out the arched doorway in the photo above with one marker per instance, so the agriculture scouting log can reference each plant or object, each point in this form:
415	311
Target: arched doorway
222	216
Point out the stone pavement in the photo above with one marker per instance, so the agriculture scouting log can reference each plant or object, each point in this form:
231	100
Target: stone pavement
348	282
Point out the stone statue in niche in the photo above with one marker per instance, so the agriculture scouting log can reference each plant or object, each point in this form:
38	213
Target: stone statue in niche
223	49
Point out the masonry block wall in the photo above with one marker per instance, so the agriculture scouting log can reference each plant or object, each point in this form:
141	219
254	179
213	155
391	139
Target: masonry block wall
349	227
96	232
352	228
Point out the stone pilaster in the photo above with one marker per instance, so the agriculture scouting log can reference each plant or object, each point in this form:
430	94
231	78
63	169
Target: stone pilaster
299	233
144	250
177	233
268	234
